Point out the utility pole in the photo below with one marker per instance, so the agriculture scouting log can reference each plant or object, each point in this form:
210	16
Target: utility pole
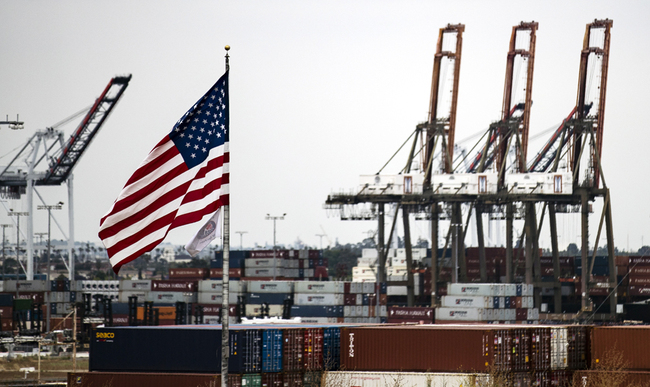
49	249
241	238
274	218
4	226
29	270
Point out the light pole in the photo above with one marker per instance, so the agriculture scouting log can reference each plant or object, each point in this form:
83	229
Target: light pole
4	260
241	239
274	218
18	215
49	249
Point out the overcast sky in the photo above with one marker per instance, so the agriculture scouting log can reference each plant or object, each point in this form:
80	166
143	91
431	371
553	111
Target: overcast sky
320	93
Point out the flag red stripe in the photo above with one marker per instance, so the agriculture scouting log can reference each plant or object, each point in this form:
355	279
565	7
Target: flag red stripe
155	164
160	202
135	238
195	216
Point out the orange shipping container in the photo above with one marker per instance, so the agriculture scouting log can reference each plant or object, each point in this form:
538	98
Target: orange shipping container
164	313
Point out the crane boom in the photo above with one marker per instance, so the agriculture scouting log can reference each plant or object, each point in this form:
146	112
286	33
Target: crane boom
70	153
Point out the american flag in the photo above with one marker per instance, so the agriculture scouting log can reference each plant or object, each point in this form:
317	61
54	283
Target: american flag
184	178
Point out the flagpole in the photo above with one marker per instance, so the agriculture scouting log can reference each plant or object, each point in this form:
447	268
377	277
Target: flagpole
225	307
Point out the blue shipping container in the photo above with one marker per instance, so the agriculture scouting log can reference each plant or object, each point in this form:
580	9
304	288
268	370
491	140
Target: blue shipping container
331	348
245	351
272	350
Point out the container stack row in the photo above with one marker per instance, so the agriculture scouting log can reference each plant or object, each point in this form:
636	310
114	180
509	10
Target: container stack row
476	302
271	264
290	355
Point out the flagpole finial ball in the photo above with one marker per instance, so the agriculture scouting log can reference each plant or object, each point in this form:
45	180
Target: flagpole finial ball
227	47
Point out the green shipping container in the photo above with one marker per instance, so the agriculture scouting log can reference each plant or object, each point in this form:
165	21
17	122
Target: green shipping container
251	380
23	304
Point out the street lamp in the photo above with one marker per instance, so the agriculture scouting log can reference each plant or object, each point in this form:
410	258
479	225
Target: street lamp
4	226
17	215
49	209
241	239
274	218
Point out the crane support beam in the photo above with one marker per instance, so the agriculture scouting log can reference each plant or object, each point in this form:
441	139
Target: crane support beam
443	123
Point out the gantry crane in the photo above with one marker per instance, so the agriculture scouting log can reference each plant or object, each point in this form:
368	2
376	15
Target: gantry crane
48	147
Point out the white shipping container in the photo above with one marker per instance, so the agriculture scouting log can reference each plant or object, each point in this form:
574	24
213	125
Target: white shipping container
471	289
468	301
135	285
123	295
364	278
309	273
214	320
318	299
291	264
356	288
501	314
461	314
270	287
491	314
264	272
502	302
510	315
318	320
368	287
533	314
364	271
254	310
319	287
559	346
510	290
401	290
292	273
25	286
263	262
383	311
349	311
367	262
217	298
172	297
216	286
369	253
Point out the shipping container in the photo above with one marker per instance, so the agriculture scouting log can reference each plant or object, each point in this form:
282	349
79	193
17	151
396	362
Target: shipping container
131	379
245	351
313	349
410	379
269	298
171	297
318	299
293	379
193	273
174	286
251	380
272	380
630	342
319	287
293	350
595	378
135	285
411	313
468	301
271	287
25	286
272	342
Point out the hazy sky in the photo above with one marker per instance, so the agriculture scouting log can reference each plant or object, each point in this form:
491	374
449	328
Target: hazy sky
320	93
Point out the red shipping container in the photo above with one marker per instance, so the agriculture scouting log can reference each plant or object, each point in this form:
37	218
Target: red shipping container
412	314
349	299
6	312
269	254
272	380
183	273
293	379
234	380
313	345
640	271
521	314
642	261
218	272
214	310
293	350
95	379
639	280
631	342
638	290
120	320
6	325
174	286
